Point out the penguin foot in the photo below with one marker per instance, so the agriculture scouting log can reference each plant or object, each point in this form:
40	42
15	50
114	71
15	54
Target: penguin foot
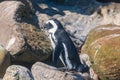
83	68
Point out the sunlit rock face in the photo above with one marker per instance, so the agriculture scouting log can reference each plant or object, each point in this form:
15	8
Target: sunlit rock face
102	45
42	71
17	72
19	35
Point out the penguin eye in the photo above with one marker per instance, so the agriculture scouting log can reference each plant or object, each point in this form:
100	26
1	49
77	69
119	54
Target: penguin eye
47	26
50	25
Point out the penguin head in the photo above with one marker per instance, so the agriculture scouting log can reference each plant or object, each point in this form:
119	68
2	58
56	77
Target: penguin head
52	24
47	26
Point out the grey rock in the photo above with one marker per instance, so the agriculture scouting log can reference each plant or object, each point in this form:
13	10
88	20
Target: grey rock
42	71
7	20
86	61
17	72
79	25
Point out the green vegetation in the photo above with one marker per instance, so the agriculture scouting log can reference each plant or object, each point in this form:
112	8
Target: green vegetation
104	52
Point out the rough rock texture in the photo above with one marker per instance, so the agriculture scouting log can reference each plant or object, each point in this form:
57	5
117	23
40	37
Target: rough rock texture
110	14
78	20
36	47
86	61
4	60
103	47
17	72
42	71
20	19
23	40
7	19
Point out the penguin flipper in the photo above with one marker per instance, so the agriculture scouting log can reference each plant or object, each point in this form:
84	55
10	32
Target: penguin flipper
56	53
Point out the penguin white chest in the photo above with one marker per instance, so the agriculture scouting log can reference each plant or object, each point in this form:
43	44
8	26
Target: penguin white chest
52	33
53	40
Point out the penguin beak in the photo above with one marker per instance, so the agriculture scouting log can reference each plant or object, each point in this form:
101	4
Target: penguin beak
42	28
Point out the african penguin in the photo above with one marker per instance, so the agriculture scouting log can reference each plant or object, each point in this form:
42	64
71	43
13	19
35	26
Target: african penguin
63	46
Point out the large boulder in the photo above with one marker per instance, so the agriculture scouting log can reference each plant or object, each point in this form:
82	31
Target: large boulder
4	60
19	35
7	13
17	72
36	44
42	71
103	47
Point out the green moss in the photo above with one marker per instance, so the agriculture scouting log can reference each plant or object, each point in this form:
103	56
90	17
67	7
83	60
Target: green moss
106	61
37	40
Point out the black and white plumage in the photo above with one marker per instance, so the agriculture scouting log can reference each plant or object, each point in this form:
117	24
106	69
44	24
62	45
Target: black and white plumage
63	46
